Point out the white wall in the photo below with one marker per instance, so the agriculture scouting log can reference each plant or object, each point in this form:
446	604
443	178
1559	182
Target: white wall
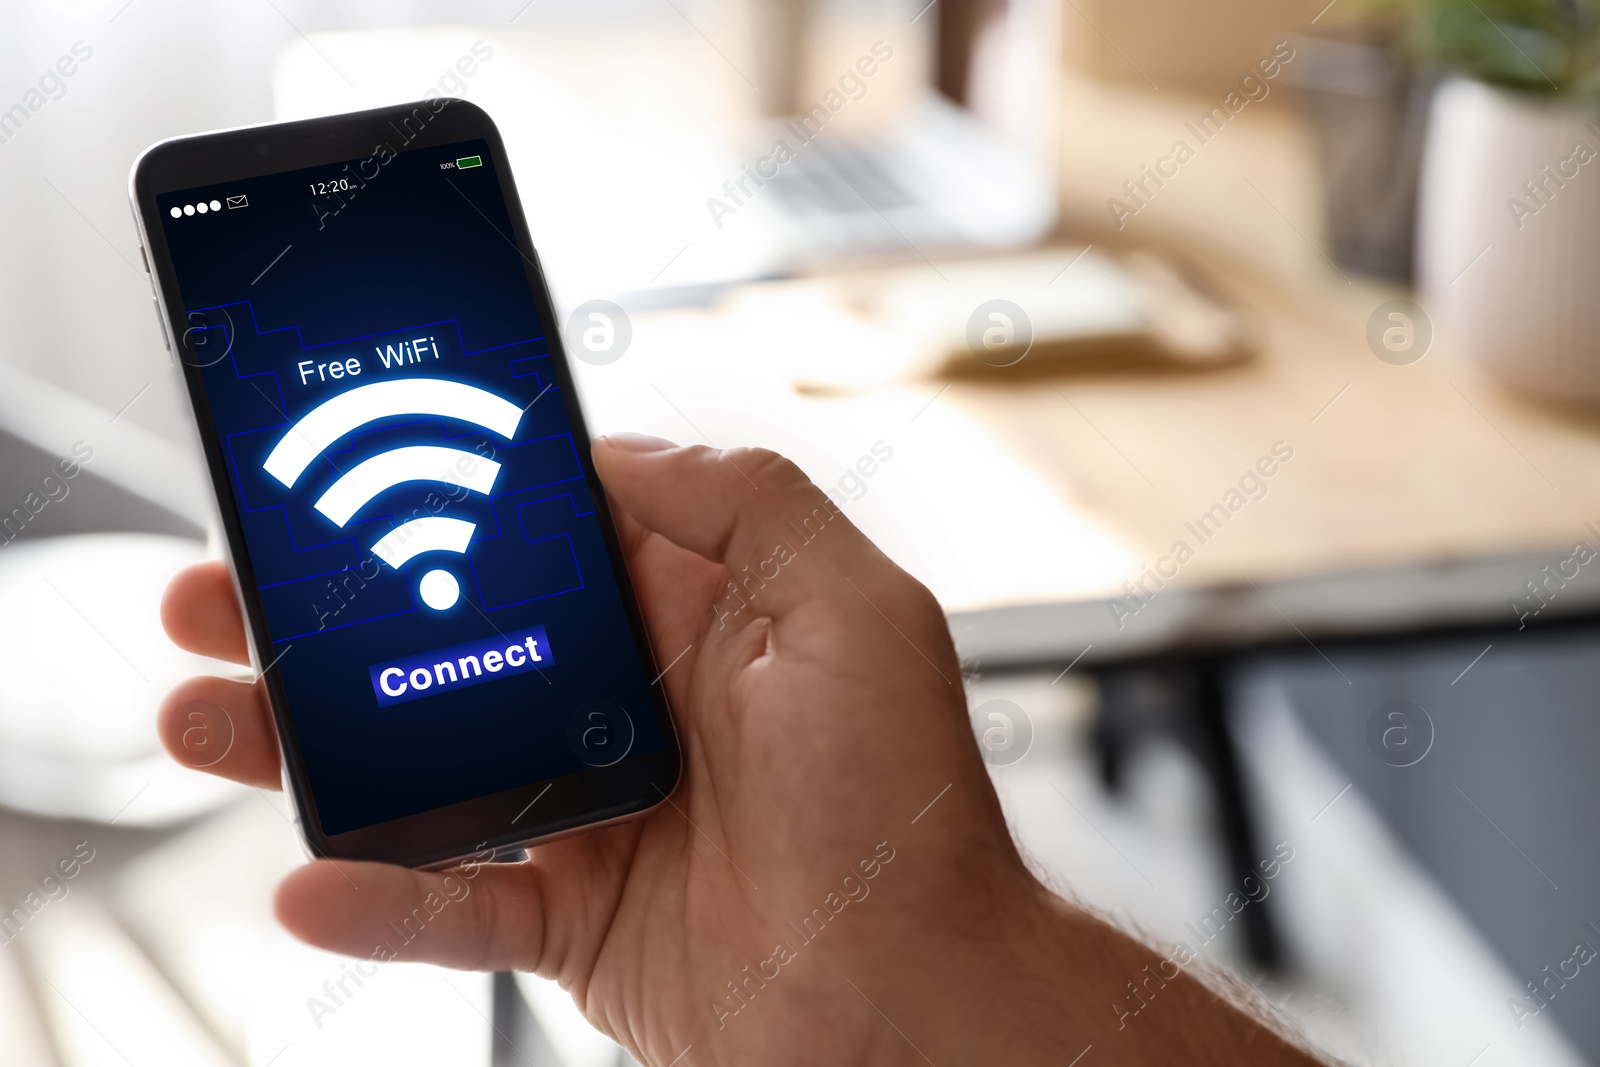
74	307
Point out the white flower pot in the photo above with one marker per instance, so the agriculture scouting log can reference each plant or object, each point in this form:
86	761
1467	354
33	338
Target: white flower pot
1509	271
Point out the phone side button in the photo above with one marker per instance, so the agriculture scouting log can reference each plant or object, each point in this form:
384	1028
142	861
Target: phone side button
161	322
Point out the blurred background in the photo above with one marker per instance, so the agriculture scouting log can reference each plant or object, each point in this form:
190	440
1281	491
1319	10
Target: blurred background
1237	364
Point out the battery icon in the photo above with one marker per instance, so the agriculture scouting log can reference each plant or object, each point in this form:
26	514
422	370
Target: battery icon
468	162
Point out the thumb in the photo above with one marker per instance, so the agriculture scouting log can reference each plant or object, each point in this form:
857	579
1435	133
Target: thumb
749	509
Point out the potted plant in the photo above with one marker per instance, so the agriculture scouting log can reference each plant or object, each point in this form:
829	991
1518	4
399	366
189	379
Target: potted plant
1508	231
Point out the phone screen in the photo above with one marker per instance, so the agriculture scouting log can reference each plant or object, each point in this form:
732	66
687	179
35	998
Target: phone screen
441	605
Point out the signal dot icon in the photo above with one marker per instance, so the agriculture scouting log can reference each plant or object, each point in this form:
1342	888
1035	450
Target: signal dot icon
349	411
439	589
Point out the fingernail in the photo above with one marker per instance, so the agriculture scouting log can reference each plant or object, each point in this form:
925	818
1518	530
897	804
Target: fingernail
634	442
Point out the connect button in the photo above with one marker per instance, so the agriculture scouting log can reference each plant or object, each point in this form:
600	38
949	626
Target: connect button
459	666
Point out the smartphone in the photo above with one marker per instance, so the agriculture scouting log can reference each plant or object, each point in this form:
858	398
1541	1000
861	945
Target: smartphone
435	595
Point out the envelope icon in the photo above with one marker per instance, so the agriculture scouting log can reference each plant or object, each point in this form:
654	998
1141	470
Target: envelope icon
238	201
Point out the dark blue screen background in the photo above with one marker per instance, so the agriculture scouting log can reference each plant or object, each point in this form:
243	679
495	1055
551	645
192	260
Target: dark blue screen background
415	251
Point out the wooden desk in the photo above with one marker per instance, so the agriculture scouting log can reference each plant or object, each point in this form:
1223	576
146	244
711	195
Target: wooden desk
1008	490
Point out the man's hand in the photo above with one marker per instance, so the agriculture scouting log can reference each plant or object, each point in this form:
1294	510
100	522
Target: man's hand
833	882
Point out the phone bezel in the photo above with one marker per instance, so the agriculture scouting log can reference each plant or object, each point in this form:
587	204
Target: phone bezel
435	838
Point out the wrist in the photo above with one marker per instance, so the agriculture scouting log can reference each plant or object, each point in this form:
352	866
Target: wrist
986	969
1026	980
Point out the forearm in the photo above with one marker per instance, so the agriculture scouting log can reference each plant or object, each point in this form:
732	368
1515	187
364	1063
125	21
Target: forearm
1142	1006
1060	980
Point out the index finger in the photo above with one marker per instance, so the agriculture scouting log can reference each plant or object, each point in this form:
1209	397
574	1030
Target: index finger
748	509
201	613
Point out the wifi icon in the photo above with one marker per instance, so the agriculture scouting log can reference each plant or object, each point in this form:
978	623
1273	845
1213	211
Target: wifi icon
349	411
